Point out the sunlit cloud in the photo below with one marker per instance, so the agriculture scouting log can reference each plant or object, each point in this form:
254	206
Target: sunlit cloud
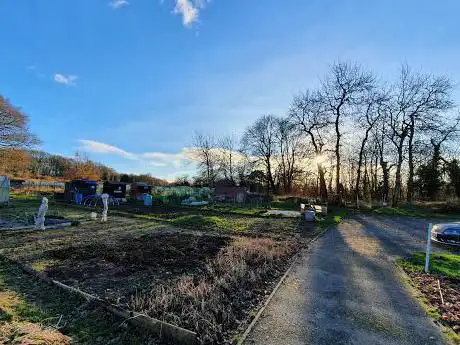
154	159
98	147
189	10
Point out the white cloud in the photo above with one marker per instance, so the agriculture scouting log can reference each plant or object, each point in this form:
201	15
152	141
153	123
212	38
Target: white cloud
98	147
69	80
118	3
154	159
189	10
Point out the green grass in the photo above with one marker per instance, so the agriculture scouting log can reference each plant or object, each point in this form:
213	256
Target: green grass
419	211
284	205
22	209
447	265
246	210
197	221
338	215
29	312
4	316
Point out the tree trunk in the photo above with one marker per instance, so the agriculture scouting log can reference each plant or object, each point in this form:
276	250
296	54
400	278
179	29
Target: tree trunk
410	179
322	184
337	160
397	191
386	180
360	163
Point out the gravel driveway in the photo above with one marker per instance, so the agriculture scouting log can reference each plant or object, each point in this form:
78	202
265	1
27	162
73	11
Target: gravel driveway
345	290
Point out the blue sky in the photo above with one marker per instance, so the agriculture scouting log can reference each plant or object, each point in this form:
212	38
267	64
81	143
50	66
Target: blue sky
129	81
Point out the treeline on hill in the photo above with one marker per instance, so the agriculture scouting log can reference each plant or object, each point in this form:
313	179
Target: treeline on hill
355	137
18	160
21	163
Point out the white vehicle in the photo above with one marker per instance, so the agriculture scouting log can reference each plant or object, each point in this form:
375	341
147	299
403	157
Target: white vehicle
446	233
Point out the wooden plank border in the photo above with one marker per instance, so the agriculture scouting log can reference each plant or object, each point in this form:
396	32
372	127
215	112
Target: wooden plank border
162	329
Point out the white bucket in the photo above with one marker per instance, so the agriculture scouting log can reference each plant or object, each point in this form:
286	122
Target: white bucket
93	215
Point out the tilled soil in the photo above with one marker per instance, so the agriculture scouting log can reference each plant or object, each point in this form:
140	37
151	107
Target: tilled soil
117	270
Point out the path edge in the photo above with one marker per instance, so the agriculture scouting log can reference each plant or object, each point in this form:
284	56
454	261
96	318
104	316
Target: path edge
278	285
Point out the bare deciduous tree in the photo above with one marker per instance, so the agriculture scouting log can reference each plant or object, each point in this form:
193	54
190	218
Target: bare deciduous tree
291	150
341	91
206	147
367	122
227	158
259	141
415	98
307	112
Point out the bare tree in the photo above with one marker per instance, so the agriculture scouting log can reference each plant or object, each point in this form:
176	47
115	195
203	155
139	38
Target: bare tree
291	150
415	98
341	91
307	112
259	141
227	158
206	147
367	121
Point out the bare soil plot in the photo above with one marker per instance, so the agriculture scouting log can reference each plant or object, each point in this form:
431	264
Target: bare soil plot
120	269
207	282
35	312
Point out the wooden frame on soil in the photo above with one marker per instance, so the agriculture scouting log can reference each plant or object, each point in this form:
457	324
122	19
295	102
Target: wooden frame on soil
160	328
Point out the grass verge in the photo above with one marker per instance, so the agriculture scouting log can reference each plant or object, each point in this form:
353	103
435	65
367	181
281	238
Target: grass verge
447	265
439	290
418	211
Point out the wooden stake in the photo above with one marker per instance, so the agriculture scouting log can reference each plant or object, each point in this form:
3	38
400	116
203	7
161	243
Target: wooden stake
440	292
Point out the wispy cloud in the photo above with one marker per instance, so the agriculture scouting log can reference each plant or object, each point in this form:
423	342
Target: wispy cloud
98	147
35	71
189	10
154	159
118	3
69	80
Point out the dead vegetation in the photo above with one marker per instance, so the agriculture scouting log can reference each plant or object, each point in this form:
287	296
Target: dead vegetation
210	282
216	302
444	298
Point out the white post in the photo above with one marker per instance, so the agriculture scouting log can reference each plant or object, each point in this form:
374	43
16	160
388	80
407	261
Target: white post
428	247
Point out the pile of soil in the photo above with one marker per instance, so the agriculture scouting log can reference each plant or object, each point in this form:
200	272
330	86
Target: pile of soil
450	310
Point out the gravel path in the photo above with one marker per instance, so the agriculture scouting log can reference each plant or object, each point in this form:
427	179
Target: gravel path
345	290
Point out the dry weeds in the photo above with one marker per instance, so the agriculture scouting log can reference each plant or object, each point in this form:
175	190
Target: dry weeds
216	302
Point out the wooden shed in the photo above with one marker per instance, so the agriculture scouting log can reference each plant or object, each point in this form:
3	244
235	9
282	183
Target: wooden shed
230	193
